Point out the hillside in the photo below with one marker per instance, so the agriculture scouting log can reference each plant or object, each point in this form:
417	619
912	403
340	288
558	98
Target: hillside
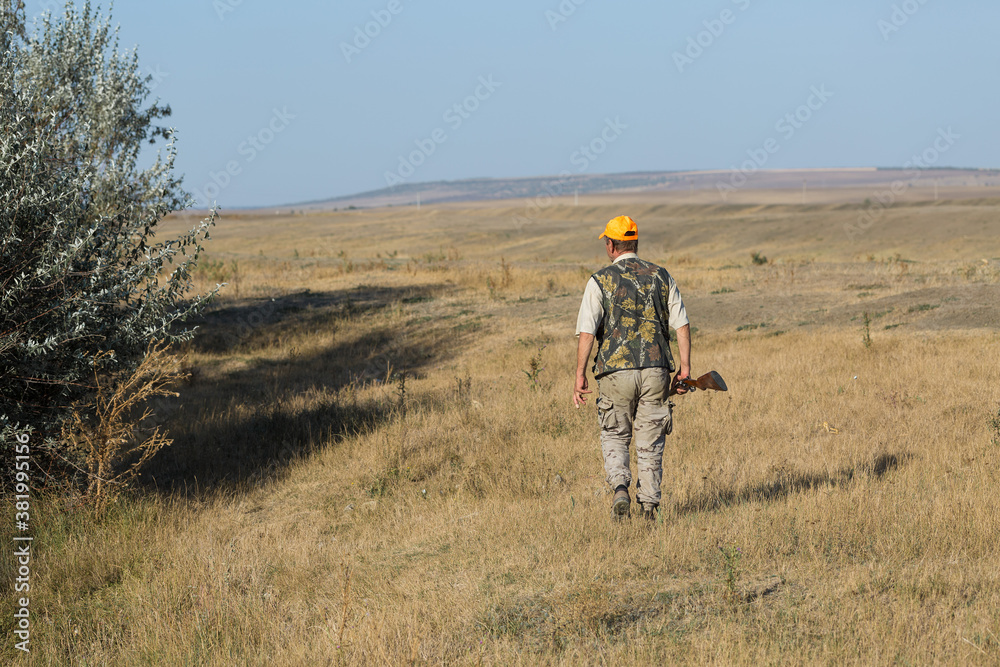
848	184
376	459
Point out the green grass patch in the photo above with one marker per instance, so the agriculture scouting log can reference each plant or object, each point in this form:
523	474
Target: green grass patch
874	316
473	325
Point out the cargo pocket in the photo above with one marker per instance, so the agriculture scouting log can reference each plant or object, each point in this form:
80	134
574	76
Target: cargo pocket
660	416
606	414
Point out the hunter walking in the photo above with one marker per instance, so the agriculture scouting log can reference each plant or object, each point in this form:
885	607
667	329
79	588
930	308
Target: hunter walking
627	308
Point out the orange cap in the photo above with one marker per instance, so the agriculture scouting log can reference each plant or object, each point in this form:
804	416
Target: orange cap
622	228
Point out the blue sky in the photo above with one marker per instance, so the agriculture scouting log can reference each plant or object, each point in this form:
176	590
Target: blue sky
268	89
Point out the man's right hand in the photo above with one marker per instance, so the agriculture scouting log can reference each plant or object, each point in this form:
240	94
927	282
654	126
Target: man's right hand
579	390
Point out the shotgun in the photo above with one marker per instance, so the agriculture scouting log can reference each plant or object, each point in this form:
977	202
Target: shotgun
710	380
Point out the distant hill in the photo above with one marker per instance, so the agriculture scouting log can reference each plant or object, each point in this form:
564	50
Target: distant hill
488	189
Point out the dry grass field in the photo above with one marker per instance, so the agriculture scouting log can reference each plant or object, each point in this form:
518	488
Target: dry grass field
377	460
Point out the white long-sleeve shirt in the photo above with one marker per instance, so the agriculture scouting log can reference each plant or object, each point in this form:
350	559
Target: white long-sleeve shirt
592	307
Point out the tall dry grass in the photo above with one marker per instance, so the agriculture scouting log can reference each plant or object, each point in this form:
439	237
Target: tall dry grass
363	473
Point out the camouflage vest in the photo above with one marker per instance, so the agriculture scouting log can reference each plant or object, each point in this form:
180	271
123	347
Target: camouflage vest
633	332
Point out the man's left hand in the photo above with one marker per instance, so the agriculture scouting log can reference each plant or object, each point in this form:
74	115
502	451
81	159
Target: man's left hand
678	386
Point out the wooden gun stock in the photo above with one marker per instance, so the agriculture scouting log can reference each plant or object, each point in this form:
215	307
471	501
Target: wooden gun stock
710	380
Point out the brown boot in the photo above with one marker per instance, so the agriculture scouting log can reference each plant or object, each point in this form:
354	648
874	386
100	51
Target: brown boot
620	505
649	511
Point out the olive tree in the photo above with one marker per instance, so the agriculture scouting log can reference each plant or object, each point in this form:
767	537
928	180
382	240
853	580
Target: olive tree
84	285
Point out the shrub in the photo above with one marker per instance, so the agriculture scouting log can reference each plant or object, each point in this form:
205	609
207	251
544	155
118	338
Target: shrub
83	286
106	431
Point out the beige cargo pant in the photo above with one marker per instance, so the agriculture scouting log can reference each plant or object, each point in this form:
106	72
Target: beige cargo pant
635	403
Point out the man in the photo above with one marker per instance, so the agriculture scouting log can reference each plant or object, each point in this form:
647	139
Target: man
627	308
